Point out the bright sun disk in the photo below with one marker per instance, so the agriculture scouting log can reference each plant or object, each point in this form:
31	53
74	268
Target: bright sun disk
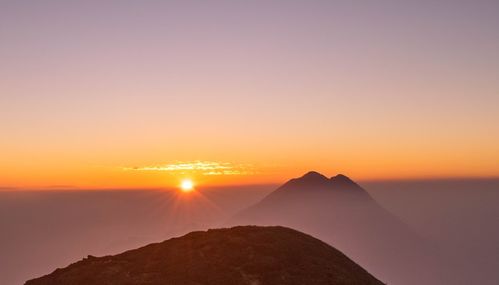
187	185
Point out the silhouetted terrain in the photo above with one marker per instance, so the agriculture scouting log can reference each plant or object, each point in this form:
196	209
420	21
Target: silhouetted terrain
44	230
240	255
343	214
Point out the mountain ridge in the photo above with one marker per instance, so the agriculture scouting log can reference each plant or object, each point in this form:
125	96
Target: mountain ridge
241	255
343	214
313	183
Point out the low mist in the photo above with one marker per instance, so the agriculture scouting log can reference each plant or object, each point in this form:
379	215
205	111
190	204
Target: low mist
456	219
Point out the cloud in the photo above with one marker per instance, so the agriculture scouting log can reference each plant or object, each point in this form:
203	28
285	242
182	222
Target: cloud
208	168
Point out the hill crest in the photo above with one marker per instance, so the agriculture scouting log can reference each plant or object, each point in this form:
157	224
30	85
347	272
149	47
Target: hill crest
240	255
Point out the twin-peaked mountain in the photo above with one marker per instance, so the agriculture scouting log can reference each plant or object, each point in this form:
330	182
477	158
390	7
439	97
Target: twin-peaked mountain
314	184
340	212
335	210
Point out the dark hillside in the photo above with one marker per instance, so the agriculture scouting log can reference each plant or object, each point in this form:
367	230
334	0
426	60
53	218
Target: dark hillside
239	255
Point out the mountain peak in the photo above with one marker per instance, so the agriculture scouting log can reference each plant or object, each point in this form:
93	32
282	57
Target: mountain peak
313	175
311	178
314	182
340	178
344	181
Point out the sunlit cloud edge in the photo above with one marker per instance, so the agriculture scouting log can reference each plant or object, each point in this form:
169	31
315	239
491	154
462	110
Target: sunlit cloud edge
207	168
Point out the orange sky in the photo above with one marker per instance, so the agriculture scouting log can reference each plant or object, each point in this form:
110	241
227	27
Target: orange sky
382	91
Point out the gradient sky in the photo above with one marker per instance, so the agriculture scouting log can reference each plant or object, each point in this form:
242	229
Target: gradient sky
109	93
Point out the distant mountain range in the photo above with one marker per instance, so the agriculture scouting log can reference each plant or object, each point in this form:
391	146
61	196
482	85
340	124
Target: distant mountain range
340	212
241	255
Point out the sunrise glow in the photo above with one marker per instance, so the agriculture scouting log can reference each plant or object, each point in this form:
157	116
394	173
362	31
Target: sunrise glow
112	103
353	123
186	185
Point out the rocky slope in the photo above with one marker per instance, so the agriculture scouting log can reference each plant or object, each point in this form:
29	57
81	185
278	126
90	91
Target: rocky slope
240	255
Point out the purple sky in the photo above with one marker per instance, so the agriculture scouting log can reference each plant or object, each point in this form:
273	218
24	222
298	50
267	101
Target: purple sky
358	85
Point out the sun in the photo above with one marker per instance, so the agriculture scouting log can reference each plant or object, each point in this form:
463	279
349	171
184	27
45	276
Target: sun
187	185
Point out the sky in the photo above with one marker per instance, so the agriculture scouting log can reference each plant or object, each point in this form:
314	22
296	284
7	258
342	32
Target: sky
127	94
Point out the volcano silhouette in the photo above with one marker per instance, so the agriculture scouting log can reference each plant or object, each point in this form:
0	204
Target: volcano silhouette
339	211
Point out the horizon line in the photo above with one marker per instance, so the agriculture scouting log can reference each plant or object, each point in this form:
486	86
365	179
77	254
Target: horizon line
212	186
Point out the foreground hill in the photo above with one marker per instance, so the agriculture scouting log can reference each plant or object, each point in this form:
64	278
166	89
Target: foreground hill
340	212
240	255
